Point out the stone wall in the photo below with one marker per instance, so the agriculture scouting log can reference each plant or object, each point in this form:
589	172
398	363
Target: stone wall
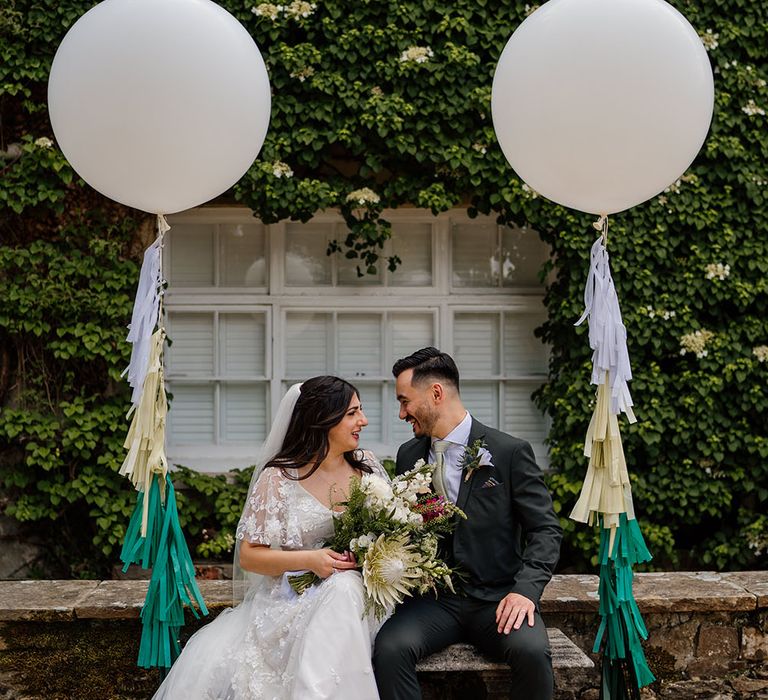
708	636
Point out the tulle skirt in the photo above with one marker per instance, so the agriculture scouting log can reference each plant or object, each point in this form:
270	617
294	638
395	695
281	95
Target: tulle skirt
276	645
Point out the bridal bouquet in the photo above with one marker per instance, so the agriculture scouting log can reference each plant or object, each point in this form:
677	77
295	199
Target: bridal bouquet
392	528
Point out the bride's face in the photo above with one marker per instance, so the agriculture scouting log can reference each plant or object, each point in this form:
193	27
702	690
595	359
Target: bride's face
345	435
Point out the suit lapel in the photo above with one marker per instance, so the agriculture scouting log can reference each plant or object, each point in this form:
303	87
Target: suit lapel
419	450
476	432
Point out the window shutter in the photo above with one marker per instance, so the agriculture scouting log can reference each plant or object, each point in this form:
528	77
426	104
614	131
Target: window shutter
410	332
306	262
359	345
370	396
476	344
523	254
306	345
243	263
524	420
524	353
243	344
192	344
412	243
191	418
482	401
243	413
191	255
474	252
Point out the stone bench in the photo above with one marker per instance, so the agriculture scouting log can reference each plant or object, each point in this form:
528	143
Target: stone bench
67	639
437	672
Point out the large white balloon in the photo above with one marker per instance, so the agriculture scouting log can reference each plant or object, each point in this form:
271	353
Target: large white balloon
159	104
601	104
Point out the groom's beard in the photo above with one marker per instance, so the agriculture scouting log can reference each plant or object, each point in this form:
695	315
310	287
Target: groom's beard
426	418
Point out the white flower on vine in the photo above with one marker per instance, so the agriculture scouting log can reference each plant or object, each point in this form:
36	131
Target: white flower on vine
480	148
718	270
696	342
303	73
299	8
416	54
44	142
709	39
280	169
761	353
363	196
675	186
752	109
530	192
268	10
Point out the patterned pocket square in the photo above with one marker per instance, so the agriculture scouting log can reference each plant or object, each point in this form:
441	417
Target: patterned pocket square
490	483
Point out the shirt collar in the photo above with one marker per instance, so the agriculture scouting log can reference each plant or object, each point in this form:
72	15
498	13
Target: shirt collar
460	434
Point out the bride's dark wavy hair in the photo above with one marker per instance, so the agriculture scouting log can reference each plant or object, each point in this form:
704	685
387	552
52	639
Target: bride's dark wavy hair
321	405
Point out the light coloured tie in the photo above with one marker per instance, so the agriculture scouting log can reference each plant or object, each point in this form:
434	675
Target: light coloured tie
438	477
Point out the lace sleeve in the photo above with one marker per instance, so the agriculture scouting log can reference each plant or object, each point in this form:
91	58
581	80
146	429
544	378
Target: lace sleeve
378	468
266	516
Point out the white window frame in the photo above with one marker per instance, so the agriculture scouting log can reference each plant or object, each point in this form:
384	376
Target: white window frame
441	299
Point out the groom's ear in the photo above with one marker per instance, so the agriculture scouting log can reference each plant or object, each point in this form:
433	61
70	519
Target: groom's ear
437	392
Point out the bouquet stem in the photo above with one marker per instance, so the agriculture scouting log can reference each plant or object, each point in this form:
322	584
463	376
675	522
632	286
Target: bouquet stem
301	582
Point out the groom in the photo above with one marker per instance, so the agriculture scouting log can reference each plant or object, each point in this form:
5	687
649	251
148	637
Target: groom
507	547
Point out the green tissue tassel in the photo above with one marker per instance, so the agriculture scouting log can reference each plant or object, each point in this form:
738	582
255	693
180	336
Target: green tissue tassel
625	669
172	585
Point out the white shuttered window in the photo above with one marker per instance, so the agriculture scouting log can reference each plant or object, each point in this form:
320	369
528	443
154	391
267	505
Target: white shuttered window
254	308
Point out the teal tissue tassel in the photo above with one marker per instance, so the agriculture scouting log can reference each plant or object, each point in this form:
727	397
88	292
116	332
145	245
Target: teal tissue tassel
172	584
622	629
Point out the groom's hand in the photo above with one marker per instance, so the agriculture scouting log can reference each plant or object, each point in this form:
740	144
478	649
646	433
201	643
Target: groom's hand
512	610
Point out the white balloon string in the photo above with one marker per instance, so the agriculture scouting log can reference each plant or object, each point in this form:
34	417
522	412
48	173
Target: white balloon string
147	312
607	333
162	228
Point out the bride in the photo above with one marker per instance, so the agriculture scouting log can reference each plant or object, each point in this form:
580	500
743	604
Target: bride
276	644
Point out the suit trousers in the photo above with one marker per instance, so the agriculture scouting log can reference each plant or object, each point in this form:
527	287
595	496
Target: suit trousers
424	625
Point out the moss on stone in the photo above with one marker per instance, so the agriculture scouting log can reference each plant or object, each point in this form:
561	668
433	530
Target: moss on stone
66	660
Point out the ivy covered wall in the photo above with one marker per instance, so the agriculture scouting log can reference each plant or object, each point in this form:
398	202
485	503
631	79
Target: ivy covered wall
381	104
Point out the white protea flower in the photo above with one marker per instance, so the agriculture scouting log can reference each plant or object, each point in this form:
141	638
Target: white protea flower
280	169
761	353
416	54
752	109
718	270
696	342
268	10
390	570
298	9
363	196
44	142
709	39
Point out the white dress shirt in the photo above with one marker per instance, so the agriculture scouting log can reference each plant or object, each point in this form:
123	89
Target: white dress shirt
454	453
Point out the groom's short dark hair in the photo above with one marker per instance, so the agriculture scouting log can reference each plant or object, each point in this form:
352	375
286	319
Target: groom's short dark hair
429	363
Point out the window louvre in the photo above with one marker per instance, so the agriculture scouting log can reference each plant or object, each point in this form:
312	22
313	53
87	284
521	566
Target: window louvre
191	418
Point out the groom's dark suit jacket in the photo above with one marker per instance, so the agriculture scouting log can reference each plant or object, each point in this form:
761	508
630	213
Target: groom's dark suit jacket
510	541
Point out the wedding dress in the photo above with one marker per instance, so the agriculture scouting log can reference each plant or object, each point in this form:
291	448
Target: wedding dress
277	645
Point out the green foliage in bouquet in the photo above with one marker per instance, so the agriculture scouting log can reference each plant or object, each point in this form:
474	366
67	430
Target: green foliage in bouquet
392	529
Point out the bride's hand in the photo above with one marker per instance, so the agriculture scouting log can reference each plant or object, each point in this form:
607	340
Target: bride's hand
326	562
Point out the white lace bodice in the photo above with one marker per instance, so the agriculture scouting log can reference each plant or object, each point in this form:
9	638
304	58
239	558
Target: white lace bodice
281	513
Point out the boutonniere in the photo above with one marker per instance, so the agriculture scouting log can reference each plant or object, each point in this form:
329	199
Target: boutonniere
475	456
